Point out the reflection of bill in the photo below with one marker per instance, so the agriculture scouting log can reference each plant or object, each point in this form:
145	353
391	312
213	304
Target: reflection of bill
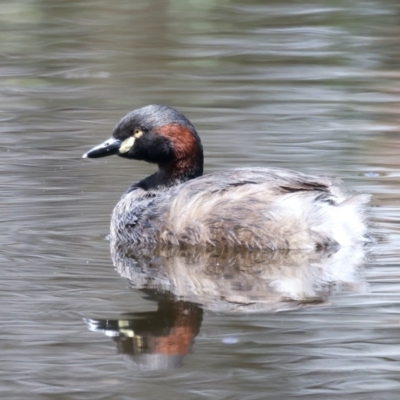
156	339
225	280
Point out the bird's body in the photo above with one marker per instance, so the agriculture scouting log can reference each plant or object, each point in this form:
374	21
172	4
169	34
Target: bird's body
254	208
244	207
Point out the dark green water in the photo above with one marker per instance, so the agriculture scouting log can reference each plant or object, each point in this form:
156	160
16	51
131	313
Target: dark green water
312	86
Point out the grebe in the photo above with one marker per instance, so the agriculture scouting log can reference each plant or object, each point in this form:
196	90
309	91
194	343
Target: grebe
254	208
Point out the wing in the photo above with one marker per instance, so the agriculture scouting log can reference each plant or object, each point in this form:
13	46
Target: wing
256	208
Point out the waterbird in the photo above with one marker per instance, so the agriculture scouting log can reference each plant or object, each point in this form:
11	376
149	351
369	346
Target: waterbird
244	207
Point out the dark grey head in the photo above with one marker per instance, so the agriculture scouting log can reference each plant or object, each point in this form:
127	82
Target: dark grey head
156	134
151	117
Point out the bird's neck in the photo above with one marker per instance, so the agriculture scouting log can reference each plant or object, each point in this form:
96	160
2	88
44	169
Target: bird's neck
181	169
187	156
172	174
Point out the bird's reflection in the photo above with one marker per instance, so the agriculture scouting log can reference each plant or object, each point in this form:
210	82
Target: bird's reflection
180	280
243	281
158	339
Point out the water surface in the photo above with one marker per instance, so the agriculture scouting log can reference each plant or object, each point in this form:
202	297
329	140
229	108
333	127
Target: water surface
312	86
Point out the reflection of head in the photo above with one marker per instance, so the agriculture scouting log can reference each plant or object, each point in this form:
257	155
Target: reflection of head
156	339
240	281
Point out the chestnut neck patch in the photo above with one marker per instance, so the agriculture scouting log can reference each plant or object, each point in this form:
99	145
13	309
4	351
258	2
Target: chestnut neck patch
188	151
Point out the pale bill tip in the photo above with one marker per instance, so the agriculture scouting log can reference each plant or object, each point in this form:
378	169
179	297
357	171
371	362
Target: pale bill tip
85	156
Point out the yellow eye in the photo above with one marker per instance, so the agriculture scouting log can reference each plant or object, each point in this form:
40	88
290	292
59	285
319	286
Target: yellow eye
137	132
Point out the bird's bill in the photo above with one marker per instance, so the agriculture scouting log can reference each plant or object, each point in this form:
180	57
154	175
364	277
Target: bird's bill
107	148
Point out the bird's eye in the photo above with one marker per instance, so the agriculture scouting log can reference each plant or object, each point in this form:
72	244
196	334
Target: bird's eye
137	132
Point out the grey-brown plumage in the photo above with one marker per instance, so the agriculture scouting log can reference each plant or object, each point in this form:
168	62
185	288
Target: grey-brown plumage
269	208
244	207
